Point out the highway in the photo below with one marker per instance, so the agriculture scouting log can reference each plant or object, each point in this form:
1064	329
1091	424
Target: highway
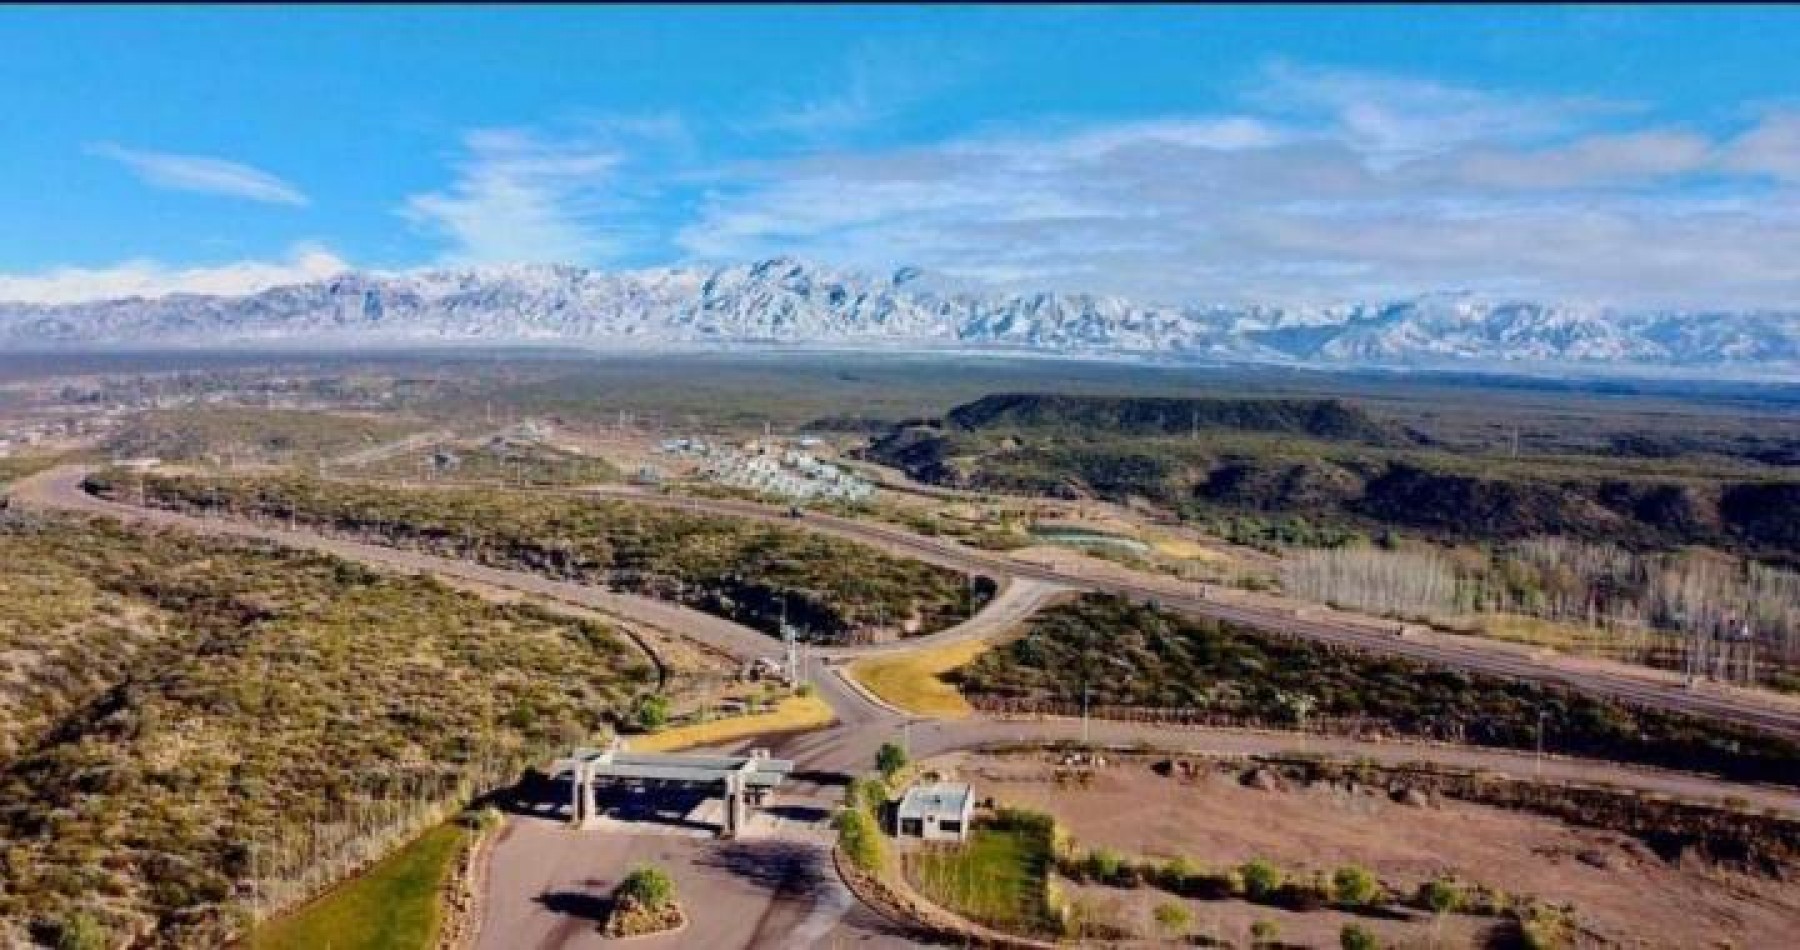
1637	685
538	867
1023	587
863	724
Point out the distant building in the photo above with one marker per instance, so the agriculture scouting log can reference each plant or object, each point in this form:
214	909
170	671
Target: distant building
940	811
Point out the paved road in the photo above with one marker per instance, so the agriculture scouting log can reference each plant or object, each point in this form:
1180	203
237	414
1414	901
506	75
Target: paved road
60	487
863	725
548	888
546	884
1640	685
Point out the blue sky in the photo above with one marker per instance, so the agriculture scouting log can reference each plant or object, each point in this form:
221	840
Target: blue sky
1638	156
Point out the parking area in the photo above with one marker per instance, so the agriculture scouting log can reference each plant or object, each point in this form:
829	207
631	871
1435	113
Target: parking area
548	886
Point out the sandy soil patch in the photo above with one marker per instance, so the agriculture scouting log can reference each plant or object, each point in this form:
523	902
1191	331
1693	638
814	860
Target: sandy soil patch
1622	891
912	681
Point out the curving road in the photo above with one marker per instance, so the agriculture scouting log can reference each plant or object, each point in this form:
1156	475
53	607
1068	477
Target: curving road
541	877
1639	685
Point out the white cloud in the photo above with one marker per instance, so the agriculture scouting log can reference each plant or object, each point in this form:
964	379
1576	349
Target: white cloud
1602	159
1771	148
1409	190
879	82
199	173
1398	118
522	196
148	278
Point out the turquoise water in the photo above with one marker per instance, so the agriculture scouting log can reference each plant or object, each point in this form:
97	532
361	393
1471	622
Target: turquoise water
1081	538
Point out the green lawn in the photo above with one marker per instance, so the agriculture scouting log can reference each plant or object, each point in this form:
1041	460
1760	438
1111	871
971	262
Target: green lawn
393	906
999	878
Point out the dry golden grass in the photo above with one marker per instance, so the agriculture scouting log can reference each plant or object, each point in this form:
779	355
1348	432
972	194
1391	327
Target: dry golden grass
1565	637
914	681
790	715
1188	551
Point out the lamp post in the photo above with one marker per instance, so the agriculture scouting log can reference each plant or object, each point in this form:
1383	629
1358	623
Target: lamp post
1084	713
1538	763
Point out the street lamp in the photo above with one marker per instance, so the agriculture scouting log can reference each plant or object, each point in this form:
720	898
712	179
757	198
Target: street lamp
1538	763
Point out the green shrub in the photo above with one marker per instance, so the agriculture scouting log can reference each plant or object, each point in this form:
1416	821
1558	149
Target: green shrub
652	712
868	795
1264	932
1261	879
1175	873
81	931
1156	658
1173	918
1357	937
648	886
889	760
1104	865
1440	896
1023	819
1355	885
483	819
860	838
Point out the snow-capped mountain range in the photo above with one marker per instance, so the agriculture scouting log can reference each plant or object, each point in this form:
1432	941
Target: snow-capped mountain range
796	304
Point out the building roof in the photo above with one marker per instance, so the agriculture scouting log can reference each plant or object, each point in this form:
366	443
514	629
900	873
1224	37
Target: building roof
939	799
758	771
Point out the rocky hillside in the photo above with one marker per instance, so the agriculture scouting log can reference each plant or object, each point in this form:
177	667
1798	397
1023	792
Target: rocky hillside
1147	415
1331	464
792	303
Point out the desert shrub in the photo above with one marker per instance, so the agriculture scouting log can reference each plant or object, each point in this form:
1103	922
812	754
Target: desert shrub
1173	918
1355	885
81	931
1440	896
648	886
1135	655
652	712
483	819
1264	932
1357	937
325	712
1104	865
1175	874
1261	879
742	569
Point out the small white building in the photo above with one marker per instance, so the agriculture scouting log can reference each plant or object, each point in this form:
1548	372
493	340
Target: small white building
940	811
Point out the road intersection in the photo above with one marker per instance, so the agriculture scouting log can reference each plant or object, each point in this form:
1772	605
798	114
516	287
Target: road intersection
523	914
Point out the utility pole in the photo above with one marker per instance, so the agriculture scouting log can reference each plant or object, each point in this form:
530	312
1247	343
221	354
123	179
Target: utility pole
1084	714
1538	763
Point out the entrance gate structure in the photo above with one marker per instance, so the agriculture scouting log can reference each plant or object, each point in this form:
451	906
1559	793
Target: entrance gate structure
743	781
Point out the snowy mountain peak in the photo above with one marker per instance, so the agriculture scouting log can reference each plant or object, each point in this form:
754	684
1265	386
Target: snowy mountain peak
794	302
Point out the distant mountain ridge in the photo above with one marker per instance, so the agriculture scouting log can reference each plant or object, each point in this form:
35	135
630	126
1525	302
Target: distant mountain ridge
793	303
1329	419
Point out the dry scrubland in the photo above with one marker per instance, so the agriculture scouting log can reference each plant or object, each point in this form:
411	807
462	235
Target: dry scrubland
253	435
478	462
744	570
1132	657
1623	893
194	727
